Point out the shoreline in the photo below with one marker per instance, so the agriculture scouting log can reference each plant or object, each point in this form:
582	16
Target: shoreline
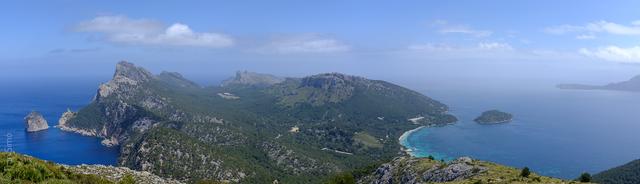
402	140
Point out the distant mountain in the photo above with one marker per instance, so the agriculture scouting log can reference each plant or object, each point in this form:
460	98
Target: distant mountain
626	174
252	79
632	84
294	130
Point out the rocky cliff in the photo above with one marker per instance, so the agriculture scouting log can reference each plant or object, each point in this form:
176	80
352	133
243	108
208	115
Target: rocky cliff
35	122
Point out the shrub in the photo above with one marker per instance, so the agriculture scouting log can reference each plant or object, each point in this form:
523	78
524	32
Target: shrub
585	177
525	172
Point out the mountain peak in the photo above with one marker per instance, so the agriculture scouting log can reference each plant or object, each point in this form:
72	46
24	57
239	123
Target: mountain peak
252	79
131	71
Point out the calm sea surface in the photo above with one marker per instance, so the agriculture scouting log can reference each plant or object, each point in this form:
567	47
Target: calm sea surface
555	132
51	98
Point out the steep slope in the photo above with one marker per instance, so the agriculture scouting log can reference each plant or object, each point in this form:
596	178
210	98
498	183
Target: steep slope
626	174
293	131
632	84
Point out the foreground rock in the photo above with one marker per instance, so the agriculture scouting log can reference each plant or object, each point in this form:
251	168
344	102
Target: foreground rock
35	122
413	170
464	170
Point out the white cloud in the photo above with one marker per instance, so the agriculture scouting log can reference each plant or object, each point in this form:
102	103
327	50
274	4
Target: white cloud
597	27
480	47
446	28
586	37
120	29
305	44
494	46
614	53
465	30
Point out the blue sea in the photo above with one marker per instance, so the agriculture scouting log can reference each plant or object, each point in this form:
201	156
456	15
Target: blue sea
51	98
555	132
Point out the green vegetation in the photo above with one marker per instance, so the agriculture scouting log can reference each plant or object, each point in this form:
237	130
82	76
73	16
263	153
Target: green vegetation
367	140
342	178
626	174
585	177
15	168
127	179
525	172
494	116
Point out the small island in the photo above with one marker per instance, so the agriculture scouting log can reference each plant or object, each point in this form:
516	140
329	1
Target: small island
494	117
35	122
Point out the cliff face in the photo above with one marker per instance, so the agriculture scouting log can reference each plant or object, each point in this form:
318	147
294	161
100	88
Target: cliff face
170	126
35	122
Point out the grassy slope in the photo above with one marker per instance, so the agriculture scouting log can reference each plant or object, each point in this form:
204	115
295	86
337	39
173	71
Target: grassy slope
16	168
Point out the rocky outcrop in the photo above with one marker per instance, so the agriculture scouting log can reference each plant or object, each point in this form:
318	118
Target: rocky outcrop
66	116
116	174
252	79
35	122
410	170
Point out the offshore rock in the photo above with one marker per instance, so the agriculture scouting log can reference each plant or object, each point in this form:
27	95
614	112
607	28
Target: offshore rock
35	122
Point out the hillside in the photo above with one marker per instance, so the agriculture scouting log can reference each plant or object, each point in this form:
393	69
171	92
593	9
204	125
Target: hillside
626	174
16	168
298	130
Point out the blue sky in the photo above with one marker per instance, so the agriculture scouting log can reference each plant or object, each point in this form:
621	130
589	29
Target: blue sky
361	37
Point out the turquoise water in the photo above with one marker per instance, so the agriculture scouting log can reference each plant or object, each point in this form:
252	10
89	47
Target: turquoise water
51	98
555	132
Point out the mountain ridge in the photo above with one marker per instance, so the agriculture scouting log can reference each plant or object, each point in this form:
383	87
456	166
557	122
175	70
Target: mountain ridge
294	130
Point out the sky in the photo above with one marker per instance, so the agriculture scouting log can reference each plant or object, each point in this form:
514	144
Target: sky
452	41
